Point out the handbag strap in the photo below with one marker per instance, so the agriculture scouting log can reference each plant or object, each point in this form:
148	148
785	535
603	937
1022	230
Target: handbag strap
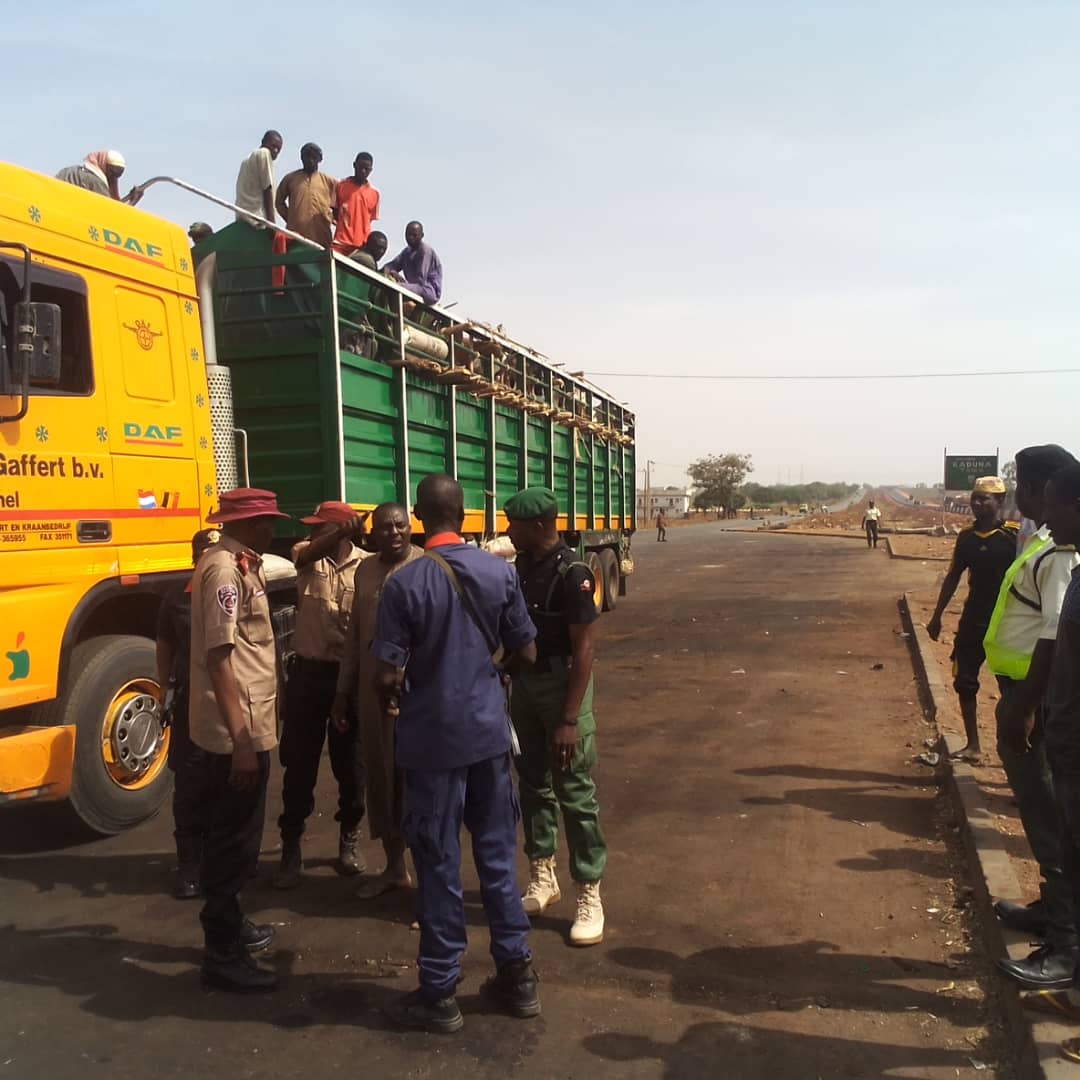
497	652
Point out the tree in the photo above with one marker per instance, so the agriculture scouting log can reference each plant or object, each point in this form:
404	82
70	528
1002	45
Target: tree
716	478
1008	474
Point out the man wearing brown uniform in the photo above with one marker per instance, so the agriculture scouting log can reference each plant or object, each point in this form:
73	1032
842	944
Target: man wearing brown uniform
233	721
325	568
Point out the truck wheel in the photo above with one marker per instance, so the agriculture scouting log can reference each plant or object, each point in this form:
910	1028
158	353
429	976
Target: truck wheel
592	561
609	567
121	748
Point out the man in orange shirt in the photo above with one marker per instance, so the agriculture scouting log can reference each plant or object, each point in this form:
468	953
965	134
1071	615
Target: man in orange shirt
357	206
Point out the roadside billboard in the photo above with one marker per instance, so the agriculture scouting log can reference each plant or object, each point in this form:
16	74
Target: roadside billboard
962	470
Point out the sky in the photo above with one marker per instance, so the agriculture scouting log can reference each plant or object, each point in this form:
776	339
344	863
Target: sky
778	188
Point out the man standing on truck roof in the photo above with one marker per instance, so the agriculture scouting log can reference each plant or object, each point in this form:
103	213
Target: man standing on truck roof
255	180
233	715
552	710
417	265
357	206
325	569
442	622
174	673
100	172
307	198
985	549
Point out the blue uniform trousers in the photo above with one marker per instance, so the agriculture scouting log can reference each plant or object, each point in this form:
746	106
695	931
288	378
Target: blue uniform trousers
437	802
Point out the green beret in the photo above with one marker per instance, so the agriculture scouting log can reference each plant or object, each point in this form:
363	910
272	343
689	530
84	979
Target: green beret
531	504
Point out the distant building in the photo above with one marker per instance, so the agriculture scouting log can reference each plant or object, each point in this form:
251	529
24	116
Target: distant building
672	500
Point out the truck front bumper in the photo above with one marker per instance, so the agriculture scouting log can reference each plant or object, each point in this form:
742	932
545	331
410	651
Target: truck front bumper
36	763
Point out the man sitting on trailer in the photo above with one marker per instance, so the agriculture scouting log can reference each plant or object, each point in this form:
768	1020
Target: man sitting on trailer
373	250
417	265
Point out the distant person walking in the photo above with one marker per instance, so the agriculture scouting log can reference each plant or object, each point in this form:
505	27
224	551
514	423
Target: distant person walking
870	520
661	526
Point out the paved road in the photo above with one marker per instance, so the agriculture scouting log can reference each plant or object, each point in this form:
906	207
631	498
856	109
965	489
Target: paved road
780	903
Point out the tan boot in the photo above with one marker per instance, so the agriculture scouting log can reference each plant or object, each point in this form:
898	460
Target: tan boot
543	890
588	928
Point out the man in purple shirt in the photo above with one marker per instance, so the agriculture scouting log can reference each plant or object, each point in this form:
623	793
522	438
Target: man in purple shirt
417	265
442	620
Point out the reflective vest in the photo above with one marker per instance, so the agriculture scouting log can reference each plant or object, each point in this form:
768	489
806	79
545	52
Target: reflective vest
1000	659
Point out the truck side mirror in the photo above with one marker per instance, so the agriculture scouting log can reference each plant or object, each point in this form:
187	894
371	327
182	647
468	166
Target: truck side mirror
37	341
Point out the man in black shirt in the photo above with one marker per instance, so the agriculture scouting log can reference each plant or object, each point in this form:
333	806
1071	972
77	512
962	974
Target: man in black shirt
985	549
551	708
173	666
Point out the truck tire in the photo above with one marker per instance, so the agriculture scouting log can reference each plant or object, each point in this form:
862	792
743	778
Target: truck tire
592	561
120	775
609	568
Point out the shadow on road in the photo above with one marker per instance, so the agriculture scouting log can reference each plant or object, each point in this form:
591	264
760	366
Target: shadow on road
745	1051
745	979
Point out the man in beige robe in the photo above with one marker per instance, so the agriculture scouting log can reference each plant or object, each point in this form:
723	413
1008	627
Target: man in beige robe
391	531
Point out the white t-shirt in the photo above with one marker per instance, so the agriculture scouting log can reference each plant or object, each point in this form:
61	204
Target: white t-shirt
873	513
1033	608
255	176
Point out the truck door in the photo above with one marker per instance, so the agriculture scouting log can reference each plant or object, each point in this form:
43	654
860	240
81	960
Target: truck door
151	435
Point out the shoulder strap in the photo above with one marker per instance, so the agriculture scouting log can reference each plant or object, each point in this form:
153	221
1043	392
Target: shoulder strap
467	603
562	568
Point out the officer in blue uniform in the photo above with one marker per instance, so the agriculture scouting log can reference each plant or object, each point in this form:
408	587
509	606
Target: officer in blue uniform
445	621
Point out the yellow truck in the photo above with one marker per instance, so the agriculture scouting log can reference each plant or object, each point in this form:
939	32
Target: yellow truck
106	470
134	384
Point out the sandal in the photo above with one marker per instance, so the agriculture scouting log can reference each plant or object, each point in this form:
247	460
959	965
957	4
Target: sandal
1054	1003
1070	1049
379	884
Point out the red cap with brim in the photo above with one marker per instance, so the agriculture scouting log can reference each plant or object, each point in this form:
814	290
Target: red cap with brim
242	503
330	513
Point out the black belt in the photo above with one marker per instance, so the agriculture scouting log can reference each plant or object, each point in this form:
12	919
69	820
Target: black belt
545	665
316	667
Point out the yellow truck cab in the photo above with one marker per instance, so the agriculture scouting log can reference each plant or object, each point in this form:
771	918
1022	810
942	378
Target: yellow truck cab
106	470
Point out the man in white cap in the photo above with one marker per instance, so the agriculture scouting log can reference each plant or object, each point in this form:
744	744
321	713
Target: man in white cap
100	172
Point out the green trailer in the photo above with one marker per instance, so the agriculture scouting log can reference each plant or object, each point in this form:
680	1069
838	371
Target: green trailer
341	384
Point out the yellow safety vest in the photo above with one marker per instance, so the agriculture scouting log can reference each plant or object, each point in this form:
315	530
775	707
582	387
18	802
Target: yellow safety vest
1000	659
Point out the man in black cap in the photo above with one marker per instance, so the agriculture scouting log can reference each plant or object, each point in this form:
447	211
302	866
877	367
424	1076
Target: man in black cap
1019	646
173	668
551	707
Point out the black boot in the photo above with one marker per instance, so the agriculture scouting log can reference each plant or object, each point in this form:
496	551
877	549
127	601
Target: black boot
235	971
1047	968
514	987
254	937
440	1016
1027	918
350	858
188	862
291	869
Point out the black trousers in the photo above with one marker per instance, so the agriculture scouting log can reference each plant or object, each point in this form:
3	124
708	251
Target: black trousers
189	779
234	826
871	533
309	695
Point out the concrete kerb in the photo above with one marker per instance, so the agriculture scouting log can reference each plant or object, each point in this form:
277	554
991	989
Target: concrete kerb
916	558
1037	1043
